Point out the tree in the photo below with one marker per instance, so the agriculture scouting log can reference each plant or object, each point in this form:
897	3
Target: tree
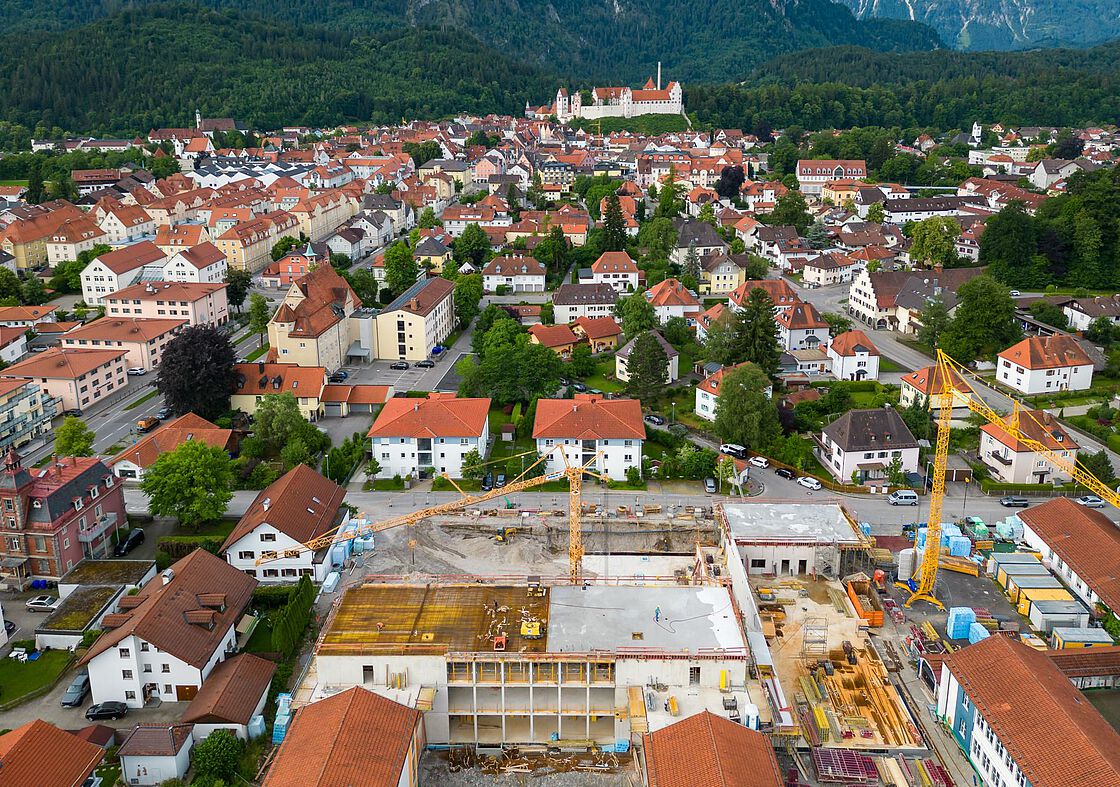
691	268
933	322
193	483
676	332
984	323
32	292
790	211
917	417
10	287
472	246
817	236
237	286
373	468
896	476
1067	146
340	261
422	152
282	247
726	472
278	421
614	226
217	757
720	344
1101	331
428	219
877	213
647	367
35	192
468	294
259	316
473	466
837	323
552	252
364	284
582	363
401	270
62	187
757	267
511	372
637	314
657	237
730	181
196	374
935	241
756	334
1099	465
708	215
669	202
744	413
73	438
1009	245
1047	312
548	313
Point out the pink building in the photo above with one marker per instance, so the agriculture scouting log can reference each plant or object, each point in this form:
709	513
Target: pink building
199	304
79	378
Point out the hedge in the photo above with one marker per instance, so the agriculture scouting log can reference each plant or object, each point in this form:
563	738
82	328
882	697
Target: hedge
271	596
178	547
289	623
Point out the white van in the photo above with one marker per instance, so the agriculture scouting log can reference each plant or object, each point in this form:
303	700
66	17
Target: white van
733	449
903	497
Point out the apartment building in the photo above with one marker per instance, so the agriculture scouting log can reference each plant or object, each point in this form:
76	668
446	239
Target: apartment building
419	320
198	304
144	340
115	270
1012	461
248	244
77	378
572	301
313	325
1043	364
26	412
411	435
608	433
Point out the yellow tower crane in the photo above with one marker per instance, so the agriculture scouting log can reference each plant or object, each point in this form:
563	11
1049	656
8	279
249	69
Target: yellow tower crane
947	373
572	472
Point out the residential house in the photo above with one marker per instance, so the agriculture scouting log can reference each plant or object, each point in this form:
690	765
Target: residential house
916	292
143	340
232	698
298	262
432	254
71	238
829	268
605	435
622	359
259	379
812	175
781	294
1047	172
57	517
616	269
1043	364
721	272
77	378
26	237
198	304
248	244
351	242
201	264
558	338
169	637
871	298
115	270
515	274
411	435
1012	461
994	695
710	750
296	508
716	313
320	214
862	444
708	390
174	238
134	461
572	301
353	737
927	384
28	412
852	356
670	299
1082	312
313	326
40	753
154	753
122	223
695	237
600	333
13	344
26	316
417	322
801	327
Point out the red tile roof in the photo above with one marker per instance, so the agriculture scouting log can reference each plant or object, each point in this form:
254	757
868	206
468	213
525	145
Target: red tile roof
671	292
170	436
553	335
123	329
597	327
41	754
614	262
779	291
928	381
130	258
709	750
63	364
231	691
439	415
1052	732
355	738
301	504
300	381
155	740
1036	425
589	417
1047	352
800	316
851	342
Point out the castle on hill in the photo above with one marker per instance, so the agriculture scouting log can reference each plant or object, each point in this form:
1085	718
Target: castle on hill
606	102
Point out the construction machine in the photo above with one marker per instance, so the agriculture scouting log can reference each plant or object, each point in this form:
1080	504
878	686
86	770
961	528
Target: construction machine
504	535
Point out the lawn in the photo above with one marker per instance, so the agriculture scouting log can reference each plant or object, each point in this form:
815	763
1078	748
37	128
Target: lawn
887	365
13	182
603	379
441	484
17	680
152	394
261	640
388	484
257	353
219	529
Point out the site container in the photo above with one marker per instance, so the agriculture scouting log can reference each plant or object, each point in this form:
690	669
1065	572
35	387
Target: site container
1049	615
1004	573
1028	597
1067	638
1016	585
866	602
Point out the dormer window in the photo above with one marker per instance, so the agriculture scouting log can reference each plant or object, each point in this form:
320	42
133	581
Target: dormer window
108	481
78	504
36	503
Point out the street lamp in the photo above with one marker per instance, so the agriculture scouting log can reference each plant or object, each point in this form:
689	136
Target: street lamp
673	418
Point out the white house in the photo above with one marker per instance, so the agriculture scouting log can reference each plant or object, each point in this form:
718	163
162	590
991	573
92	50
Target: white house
519	274
864	443
995	694
201	264
853	356
1081	312
115	270
707	392
297	507
670	299
616	269
1042	364
622	359
167	639
1013	462
155	753
813	174
232	698
411	435
610	431
800	327
572	301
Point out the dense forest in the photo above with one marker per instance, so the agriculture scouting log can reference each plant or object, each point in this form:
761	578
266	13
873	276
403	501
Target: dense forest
714	40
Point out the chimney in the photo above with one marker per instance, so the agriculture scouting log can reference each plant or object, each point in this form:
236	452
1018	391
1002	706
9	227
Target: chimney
266	503
167	575
260	366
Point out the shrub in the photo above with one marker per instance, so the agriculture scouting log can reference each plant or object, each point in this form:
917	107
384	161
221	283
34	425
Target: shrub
289	623
89	637
163	560
218	756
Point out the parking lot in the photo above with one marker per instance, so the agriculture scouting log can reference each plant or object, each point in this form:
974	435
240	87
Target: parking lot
412	379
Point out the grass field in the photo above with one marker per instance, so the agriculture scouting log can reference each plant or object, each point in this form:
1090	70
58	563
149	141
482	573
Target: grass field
13	182
887	365
152	394
257	353
18	679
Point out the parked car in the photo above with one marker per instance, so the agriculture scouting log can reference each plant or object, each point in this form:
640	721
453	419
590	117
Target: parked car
41	604
1090	501
73	412
809	482
1014	502
501	481
337	377
564	381
903	497
137	371
76	692
106	710
399	366
710	486
134	539
1015	293
759	461
342	373
148	423
656	420
786	473
164	412
579	387
10	627
425	364
487	482
733	449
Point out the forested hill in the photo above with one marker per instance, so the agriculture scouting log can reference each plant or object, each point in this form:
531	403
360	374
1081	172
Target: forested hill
703	40
153	66
843	87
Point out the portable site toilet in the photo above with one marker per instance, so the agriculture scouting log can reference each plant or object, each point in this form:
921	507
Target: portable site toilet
1030	596
1004	573
1045	616
1068	638
1017	584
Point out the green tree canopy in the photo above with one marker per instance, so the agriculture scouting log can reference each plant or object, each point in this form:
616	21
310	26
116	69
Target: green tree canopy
73	438
756	333
744	413
647	367
637	314
259	316
237	286
984	322
193	483
472	246
196	373
401	270
935	241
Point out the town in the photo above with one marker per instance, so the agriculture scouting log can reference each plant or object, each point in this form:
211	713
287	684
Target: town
499	449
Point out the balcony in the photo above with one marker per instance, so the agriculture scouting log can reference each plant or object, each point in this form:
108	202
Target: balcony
93	532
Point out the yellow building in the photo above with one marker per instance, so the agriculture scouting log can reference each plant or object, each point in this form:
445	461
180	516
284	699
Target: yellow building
26	238
255	381
432	254
248	244
420	319
312	327
721	274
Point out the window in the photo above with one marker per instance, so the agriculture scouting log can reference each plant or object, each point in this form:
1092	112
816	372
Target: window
268	536
167	688
126	674
165	668
144	648
758	563
130	695
147	668
124	652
